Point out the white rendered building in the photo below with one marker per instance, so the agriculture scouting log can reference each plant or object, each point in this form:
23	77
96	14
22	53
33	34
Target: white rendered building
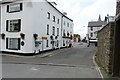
32	26
93	28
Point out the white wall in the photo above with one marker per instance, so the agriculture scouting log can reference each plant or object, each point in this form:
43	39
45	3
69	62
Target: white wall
34	21
67	29
95	29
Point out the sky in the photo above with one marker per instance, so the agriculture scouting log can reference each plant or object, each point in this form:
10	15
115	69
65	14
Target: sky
83	11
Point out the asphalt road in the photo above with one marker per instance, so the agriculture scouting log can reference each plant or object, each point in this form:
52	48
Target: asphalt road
75	62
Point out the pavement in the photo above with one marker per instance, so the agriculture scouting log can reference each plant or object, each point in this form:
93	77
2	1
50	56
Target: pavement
76	62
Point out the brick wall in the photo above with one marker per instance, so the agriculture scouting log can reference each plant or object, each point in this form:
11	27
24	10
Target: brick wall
105	47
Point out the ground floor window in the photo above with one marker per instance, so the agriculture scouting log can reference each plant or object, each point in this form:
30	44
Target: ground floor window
47	43
57	43
13	43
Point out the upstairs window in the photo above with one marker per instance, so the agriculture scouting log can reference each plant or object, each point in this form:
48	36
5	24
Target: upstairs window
13	25
67	24
91	34
47	29
91	28
58	21
53	18
53	31
14	7
64	23
48	15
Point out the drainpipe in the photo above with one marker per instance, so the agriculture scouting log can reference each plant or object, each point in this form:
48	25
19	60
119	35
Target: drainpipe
61	29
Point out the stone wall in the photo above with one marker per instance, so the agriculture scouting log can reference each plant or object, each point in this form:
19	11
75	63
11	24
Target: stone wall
118	8
105	47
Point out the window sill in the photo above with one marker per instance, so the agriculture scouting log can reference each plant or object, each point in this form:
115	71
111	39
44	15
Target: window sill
12	49
14	11
13	31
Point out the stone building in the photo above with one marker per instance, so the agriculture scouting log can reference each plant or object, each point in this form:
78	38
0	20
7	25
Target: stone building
116	68
108	54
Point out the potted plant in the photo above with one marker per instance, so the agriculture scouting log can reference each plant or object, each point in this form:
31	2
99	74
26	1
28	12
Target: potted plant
35	36
51	37
3	36
22	35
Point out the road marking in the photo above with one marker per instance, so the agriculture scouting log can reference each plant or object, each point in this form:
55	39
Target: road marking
97	67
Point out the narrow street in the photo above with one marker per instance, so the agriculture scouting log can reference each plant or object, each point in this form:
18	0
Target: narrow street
75	62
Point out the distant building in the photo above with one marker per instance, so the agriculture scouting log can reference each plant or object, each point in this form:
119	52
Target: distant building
76	37
109	19
93	28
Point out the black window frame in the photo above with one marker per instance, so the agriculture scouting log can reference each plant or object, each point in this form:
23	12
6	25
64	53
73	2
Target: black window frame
21	8
57	31
91	28
91	34
58	21
7	44
53	18
48	15
67	24
48	27
53	33
8	25
47	43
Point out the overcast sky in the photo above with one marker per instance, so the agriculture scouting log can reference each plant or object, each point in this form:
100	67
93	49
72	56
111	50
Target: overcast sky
82	11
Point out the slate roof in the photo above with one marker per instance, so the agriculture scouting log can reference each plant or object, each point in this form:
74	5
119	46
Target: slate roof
95	23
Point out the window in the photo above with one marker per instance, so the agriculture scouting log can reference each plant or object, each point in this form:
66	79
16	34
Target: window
53	18
13	43
71	25
91	28
13	25
67	24
58	21
48	15
57	31
57	43
47	29
64	33
14	7
91	34
64	23
47	43
53	30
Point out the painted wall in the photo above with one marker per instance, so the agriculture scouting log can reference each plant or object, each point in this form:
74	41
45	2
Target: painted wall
34	21
95	29
67	30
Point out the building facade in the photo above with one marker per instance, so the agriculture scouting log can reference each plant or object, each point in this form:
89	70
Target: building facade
32	26
116	62
93	28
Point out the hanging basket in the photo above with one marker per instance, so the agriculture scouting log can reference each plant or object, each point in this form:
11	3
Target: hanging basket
3	36
22	35
35	36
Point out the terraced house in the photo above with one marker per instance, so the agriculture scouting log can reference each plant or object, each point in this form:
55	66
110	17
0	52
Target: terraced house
32	26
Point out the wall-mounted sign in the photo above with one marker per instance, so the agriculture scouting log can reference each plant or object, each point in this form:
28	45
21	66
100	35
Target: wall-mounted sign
22	43
44	38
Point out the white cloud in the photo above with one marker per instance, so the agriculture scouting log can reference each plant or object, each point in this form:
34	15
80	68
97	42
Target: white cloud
83	11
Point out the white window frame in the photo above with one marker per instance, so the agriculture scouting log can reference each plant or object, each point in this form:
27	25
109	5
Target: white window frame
11	25
10	43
